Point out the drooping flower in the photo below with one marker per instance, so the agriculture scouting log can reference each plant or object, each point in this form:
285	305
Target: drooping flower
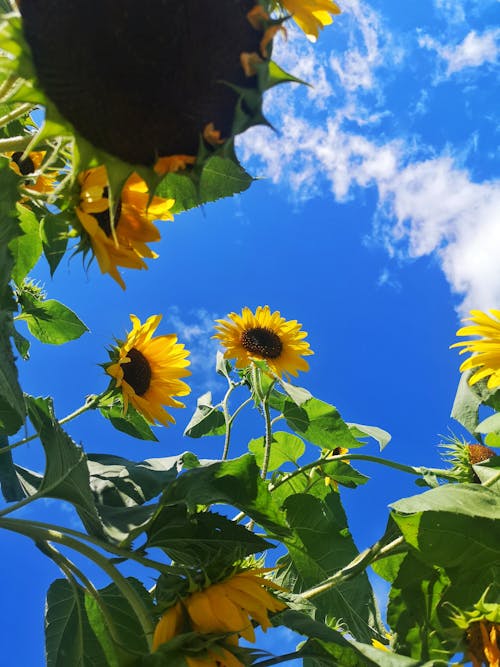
485	351
264	336
311	15
481	627
148	370
29	168
125	242
228	606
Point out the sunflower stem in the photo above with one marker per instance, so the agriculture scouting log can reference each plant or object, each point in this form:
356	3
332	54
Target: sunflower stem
268	438
378	551
13	144
227	419
90	403
275	660
51	535
15	113
412	470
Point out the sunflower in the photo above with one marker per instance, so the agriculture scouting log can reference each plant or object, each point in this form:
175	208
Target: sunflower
311	15
148	82
481	628
264	335
227	606
147	370
485	351
29	168
124	243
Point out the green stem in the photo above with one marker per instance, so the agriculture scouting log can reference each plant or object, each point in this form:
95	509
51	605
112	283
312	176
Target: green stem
37	534
378	551
492	480
268	437
15	113
117	551
13	144
227	419
89	404
275	660
412	470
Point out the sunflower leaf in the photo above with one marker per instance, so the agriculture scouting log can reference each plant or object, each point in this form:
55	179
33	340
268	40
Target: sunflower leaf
53	231
12	406
50	321
206	420
362	431
69	637
27	247
285	448
222	177
132	422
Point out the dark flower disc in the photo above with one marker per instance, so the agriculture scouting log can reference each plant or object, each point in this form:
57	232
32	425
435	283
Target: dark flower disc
142	79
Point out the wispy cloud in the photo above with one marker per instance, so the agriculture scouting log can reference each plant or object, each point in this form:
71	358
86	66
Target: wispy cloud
472	52
427	203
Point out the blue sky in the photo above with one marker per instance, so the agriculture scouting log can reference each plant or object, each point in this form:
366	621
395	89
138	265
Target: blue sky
374	224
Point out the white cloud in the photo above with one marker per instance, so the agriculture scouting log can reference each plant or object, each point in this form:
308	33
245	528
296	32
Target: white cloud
473	51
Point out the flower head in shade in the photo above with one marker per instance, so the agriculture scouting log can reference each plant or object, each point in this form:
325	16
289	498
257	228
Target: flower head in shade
485	351
264	336
228	606
30	168
482	632
148	370
123	243
311	15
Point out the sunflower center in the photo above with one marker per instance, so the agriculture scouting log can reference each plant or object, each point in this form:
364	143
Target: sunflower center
26	166
103	218
137	373
262	341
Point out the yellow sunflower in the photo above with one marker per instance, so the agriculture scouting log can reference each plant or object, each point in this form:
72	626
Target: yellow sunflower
125	245
481	627
148	369
264	335
227	606
30	169
485	350
311	15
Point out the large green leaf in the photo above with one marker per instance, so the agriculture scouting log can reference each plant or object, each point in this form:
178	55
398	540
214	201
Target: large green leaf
222	177
235	483
362	431
285	448
10	484
413	605
9	227
322	545
320	423
66	474
27	247
118	482
206	420
50	321
201	538
131	641
132	422
453	525
12	405
69	638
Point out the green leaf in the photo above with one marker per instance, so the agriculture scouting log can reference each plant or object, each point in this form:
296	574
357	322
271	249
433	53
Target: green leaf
66	474
69	638
413	605
22	344
53	232
321	546
206	420
181	188
223	366
12	488
466	405
222	177
297	394
12	406
124	524
202	538
488	473
362	431
118	482
320	423
50	321
285	448
26	248
130	636
132	422
490	425
454	525
235	483
10	228
343	473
